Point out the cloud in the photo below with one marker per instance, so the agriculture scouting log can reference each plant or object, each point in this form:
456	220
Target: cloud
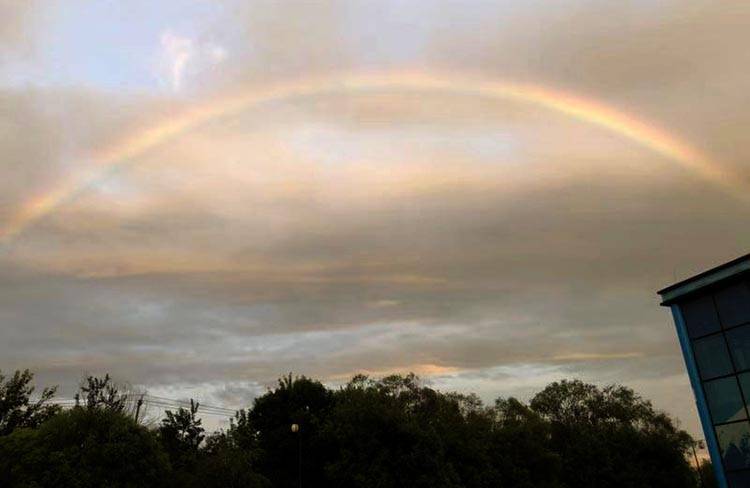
488	245
177	52
181	56
16	24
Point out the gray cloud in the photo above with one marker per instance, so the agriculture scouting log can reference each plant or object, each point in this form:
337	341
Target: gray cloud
487	245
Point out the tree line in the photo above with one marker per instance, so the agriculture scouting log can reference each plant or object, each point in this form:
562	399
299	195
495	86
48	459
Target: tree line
370	433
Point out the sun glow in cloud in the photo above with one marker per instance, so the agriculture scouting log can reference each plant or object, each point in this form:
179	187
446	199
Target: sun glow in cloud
130	148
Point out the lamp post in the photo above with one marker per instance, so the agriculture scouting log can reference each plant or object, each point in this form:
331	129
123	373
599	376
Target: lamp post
296	431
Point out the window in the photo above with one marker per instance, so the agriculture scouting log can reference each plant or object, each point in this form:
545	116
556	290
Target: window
712	356
739	344
734	304
740	479
725	400
744	379
734	443
700	316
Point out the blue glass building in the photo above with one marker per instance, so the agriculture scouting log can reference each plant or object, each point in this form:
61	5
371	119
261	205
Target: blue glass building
711	312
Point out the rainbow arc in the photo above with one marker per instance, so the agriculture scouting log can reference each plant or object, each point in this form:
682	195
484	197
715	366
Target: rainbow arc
127	150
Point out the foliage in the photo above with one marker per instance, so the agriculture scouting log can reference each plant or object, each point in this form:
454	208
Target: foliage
181	434
521	446
388	433
242	433
83	448
300	401
182	430
101	393
396	432
611	437
222	463
705	474
17	410
221	460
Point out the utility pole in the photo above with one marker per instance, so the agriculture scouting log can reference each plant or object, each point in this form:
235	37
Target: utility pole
698	466
138	408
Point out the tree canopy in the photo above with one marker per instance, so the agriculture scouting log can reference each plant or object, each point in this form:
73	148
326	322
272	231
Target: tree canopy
390	432
611	437
83	448
17	409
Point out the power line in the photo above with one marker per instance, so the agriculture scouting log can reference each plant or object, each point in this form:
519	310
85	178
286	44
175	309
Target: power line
206	411
182	404
158	401
187	403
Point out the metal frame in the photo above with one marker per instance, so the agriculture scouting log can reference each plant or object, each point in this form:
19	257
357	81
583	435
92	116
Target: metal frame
700	398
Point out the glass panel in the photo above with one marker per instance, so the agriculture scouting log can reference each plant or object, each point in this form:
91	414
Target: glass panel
725	400
734	443
739	344
740	479
712	356
734	304
700	316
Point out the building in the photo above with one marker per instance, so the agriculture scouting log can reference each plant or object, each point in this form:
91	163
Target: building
711	312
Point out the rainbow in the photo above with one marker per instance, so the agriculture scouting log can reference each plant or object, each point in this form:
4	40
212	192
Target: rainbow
127	150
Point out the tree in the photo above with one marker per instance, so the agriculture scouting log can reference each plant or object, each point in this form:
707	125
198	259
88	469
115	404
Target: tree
225	462
101	393
184	427
705	474
611	437
221	460
181	434
242	434
83	448
388	433
520	445
397	432
17	410
295	400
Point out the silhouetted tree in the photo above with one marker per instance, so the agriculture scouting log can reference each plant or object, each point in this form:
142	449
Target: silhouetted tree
183	427
389	433
181	434
223	463
520	447
611	437
242	434
101	393
83	448
220	460
705	473
295	400
397	432
17	409
382	437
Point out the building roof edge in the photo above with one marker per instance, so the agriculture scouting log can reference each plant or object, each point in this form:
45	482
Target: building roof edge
707	278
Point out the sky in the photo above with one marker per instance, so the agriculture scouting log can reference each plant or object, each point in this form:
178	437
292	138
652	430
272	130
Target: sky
201	196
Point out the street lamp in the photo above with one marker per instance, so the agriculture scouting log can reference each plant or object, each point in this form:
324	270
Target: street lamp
295	430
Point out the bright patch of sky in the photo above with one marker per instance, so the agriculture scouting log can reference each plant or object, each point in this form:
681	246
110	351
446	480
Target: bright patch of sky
118	45
406	35
326	144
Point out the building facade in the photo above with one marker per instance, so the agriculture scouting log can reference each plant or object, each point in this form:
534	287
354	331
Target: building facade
711	312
